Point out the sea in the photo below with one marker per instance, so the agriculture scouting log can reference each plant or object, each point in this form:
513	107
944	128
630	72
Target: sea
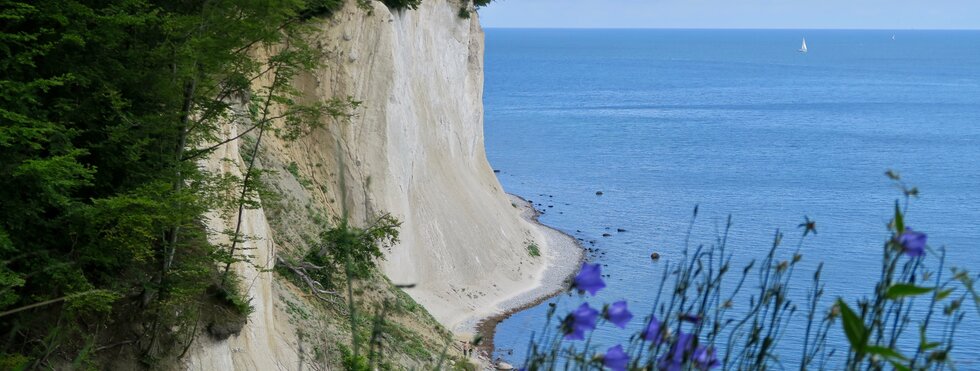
737	123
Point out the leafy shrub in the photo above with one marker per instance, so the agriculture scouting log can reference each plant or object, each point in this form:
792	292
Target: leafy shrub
353	362
230	298
13	362
226	308
463	364
364	4
533	250
402	4
464	12
293	169
320	8
355	250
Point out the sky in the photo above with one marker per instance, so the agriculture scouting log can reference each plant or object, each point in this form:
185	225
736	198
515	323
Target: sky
806	14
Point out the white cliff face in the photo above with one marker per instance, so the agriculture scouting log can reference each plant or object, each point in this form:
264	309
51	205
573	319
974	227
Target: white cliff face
268	341
415	150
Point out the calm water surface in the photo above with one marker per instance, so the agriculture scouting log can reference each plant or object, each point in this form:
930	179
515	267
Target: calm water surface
739	123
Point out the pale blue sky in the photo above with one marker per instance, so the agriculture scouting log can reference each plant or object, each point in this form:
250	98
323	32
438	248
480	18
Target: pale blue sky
850	14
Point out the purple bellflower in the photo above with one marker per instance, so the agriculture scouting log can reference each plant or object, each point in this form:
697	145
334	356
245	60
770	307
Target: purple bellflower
913	243
579	321
705	359
653	332
618	314
589	279
674	358
616	359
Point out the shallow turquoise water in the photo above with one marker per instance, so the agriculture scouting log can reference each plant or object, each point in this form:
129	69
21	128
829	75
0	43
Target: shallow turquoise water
739	123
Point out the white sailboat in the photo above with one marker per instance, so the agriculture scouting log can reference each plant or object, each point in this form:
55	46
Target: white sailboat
803	48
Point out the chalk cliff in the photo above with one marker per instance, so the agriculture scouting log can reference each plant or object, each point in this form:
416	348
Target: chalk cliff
414	149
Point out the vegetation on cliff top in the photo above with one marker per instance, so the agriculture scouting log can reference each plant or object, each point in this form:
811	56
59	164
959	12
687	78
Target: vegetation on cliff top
106	108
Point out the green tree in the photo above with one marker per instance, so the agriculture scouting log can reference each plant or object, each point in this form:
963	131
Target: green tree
105	109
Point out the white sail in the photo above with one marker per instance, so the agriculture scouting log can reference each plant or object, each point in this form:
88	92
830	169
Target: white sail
803	48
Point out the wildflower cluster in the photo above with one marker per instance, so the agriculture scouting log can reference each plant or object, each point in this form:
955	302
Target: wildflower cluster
691	326
681	350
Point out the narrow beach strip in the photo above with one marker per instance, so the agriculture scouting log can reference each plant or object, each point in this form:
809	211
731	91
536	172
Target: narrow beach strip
565	256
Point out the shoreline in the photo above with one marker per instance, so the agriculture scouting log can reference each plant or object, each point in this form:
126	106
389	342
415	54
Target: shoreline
553	283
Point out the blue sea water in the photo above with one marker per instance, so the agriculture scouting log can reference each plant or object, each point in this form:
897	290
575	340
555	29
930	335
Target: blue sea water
740	123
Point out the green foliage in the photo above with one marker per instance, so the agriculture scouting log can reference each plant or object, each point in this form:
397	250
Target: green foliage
230	297
13	362
901	290
320	8
293	169
914	291
464	10
365	5
105	110
355	250
463	364
968	282
888	353
533	250
404	304
353	362
226	310
402	4
857	333
407	342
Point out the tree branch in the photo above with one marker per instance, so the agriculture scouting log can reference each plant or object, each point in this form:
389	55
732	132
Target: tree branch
47	302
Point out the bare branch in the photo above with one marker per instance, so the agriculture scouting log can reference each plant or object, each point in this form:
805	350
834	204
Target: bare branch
315	287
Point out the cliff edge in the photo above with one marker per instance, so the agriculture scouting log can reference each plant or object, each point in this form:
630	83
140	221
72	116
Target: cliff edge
414	148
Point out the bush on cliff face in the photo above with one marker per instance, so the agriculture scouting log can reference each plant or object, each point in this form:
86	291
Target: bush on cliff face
402	4
345	248
464	8
320	8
